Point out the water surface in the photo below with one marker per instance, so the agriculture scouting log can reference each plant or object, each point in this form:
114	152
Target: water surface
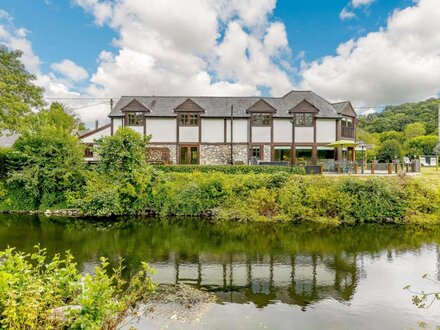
273	276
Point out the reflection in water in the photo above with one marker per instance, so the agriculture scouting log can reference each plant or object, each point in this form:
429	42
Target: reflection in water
299	279
241	263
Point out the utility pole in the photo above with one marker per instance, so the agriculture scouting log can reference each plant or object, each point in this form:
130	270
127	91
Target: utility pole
232	135
111	104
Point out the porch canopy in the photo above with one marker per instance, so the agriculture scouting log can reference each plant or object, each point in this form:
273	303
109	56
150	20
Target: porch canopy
343	144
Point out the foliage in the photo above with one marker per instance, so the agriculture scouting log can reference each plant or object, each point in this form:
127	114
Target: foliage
389	150
37	292
5	156
227	169
414	130
48	161
422	145
398	117
18	94
122	181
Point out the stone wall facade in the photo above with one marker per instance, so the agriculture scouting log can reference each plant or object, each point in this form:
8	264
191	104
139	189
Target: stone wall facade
171	147
267	152
220	154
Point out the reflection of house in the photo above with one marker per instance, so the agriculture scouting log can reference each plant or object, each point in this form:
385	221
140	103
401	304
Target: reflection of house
297	279
203	130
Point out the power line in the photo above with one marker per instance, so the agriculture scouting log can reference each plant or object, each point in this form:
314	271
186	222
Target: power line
89	106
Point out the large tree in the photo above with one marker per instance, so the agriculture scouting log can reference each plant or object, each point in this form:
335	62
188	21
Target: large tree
48	160
18	94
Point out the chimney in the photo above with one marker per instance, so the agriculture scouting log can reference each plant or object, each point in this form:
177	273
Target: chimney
96	124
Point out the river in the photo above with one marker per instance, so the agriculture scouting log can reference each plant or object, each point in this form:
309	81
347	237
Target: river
275	276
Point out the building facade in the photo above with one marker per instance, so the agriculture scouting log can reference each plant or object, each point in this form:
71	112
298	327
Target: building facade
295	128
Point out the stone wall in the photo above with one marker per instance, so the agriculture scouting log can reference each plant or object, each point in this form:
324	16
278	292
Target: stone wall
267	152
171	147
220	154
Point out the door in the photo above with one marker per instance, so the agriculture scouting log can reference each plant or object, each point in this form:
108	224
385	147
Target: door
189	155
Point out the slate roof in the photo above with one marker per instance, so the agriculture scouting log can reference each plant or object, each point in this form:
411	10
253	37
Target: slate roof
163	106
339	107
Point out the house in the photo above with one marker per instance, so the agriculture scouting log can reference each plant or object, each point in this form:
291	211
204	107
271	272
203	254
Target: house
295	128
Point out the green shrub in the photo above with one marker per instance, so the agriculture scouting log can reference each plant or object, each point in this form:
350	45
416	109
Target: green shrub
227	169
41	293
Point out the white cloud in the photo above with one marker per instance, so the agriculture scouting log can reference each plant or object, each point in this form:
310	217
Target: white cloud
203	47
359	3
70	70
346	14
398	63
54	87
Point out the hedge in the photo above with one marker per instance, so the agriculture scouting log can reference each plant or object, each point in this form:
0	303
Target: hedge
228	169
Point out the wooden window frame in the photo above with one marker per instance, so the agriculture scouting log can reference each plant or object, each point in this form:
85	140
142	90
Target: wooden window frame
189	119
88	151
261	122
261	147
303	117
136	114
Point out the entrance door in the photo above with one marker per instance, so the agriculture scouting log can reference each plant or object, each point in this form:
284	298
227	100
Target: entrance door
189	155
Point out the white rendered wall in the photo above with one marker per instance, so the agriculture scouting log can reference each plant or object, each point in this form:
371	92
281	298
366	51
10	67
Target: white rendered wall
303	134
162	129
117	122
188	134
282	130
261	134
240	131
213	130
138	129
325	130
92	138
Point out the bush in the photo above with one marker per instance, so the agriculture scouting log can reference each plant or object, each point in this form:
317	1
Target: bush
228	169
38	293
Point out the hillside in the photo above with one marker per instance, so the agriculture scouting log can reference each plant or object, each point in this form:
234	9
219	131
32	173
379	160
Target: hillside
396	118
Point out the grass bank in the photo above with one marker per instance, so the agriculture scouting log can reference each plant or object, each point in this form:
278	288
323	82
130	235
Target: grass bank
247	197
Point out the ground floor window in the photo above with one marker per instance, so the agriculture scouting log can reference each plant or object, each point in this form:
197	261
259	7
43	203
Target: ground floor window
326	153
257	152
282	154
303	155
189	155
88	151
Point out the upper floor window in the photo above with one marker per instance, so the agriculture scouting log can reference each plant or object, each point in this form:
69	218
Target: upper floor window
189	119
135	119
304	119
261	119
347	122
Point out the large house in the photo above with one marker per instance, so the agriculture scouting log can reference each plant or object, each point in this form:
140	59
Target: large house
296	128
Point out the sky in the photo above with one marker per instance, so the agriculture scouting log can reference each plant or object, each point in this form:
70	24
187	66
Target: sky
370	52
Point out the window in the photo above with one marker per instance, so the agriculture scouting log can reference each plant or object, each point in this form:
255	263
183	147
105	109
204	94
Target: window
189	119
256	152
347	125
347	122
304	119
261	119
135	119
189	155
88	151
282	154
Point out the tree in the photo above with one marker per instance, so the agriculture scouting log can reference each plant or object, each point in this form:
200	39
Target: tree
414	130
389	150
48	160
122	184
422	145
18	95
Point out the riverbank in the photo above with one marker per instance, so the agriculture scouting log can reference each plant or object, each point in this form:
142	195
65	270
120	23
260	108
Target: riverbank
276	197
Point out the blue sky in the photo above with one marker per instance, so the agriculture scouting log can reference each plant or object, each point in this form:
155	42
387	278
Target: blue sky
371	52
59	29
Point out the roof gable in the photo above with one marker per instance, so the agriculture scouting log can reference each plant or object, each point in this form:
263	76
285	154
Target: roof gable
261	106
189	106
135	105
304	107
345	109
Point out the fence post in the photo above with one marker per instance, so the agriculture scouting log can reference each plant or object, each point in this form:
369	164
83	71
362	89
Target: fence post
390	168
355	168
372	168
321	168
339	168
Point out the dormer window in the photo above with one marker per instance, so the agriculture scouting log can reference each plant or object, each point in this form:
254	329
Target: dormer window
304	119
260	119
189	119
135	118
